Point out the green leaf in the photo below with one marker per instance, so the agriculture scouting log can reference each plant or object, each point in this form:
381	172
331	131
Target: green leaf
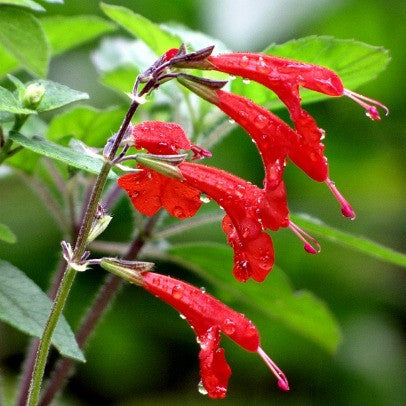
67	32
24	306
57	95
357	243
355	62
156	37
23	3
9	103
195	40
275	298
7	61
87	124
120	79
22	35
7	235
66	155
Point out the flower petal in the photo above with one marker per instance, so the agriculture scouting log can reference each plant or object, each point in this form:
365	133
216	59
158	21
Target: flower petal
214	369
149	191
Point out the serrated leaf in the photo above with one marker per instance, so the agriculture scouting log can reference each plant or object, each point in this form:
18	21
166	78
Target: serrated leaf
156	37
67	32
87	124
357	243
10	104
24	306
355	62
57	95
7	235
23	3
22	35
275	298
66	155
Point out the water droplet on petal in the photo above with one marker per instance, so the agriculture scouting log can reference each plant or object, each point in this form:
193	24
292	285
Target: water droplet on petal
244	61
260	121
178	211
231	121
202	390
204	199
263	67
229	327
182	316
177	292
203	289
246	81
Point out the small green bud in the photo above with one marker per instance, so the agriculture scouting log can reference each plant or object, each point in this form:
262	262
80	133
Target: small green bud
33	95
99	225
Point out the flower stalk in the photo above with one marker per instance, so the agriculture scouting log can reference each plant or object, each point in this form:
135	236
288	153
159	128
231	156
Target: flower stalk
78	251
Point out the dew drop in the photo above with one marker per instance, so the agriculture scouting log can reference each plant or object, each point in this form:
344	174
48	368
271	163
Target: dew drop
203	289
261	121
250	331
263	67
177	292
202	390
178	211
182	316
231	121
204	199
232	77
246	81
229	327
244	61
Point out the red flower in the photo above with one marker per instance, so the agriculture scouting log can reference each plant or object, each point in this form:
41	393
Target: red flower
248	212
208	317
162	138
149	190
285	76
274	139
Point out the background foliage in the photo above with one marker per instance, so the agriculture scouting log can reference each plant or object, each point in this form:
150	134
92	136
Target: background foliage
142	350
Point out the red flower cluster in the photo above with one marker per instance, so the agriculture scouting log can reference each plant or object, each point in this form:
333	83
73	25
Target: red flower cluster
249	209
208	317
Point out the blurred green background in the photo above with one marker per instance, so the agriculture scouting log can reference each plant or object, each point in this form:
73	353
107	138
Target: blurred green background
143	353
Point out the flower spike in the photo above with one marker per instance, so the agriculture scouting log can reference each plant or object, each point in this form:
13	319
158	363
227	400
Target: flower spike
208	317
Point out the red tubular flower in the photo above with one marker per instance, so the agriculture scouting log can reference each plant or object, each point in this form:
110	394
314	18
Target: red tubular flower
248	212
285	76
274	139
208	317
149	190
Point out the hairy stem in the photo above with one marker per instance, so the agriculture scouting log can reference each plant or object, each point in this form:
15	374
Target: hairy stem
70	273
100	305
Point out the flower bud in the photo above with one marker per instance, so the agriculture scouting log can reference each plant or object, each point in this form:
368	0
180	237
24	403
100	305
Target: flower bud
33	95
99	225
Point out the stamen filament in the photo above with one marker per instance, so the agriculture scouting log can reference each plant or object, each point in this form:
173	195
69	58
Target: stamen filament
346	208
280	376
372	111
302	235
